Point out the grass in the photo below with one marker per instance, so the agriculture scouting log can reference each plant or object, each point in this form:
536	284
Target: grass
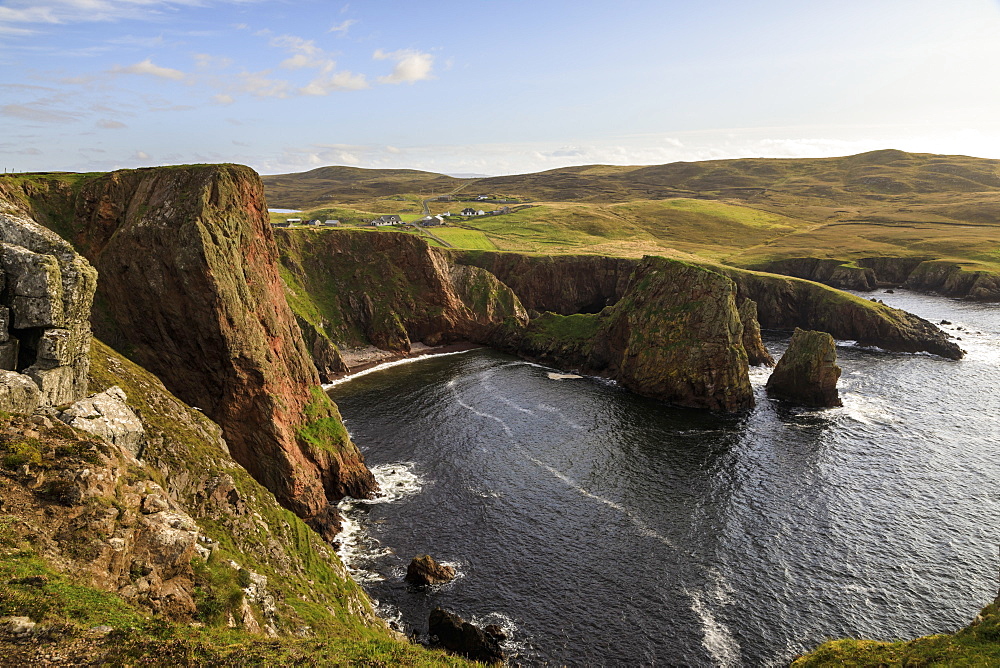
745	212
976	645
464	238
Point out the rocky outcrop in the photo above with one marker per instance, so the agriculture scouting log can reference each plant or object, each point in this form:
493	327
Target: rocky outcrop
785	303
675	335
107	415
835	273
390	290
424	570
460	637
114	525
953	280
757	354
807	373
925	275
45	306
190	289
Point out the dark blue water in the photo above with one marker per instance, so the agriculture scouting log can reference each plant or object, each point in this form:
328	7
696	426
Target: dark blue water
603	528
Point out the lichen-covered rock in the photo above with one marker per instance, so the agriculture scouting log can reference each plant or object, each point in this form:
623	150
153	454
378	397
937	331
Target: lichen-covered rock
106	414
460	637
45	316
424	570
18	393
807	373
757	354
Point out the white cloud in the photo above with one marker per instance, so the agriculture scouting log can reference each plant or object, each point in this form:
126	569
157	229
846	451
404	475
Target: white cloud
109	124
342	27
259	84
16	13
410	66
141	155
32	112
296	45
340	81
148	68
222	98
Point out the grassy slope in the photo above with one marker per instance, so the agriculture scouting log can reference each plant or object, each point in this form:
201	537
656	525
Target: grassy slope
744	212
976	645
310	586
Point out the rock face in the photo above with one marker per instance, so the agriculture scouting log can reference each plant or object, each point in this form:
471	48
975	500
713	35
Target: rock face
786	303
389	290
807	373
563	284
953	280
47	293
423	570
460	637
190	289
947	278
675	335
757	354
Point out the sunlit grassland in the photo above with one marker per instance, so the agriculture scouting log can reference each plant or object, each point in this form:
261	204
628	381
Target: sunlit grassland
463	238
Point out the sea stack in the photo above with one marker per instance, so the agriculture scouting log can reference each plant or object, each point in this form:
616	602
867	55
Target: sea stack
807	373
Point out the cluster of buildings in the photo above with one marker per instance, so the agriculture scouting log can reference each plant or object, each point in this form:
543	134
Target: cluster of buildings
393	219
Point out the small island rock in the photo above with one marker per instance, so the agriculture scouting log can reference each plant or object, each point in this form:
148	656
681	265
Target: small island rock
807	373
460	637
423	570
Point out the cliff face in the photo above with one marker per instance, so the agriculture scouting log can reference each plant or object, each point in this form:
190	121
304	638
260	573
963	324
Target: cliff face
941	276
787	303
952	280
389	290
47	291
563	284
190	289
675	335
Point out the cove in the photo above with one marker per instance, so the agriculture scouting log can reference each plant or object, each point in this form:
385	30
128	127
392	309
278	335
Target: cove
606	528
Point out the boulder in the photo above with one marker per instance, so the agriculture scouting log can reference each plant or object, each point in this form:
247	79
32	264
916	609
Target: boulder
423	570
18	394
106	414
460	637
807	373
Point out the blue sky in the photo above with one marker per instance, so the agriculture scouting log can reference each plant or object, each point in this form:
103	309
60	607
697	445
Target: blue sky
490	86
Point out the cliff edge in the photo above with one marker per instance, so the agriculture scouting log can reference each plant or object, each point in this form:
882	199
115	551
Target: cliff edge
190	290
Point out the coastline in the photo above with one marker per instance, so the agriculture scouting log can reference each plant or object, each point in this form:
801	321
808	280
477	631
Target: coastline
362	360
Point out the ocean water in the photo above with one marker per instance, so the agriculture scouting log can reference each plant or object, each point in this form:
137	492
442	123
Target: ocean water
603	528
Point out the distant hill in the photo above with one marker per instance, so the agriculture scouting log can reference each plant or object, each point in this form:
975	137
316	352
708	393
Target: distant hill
748	212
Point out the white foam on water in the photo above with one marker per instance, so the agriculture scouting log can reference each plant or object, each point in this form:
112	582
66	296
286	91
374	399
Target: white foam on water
458	399
356	548
511	629
389	365
562	416
716	638
396	481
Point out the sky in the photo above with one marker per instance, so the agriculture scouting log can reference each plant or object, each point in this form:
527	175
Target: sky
490	86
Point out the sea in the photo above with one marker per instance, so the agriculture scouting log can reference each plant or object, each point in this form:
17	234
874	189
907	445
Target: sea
601	528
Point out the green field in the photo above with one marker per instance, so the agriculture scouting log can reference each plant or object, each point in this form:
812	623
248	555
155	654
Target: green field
463	238
741	212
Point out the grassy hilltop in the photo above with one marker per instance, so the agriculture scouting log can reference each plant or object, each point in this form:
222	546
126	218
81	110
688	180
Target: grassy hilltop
745	212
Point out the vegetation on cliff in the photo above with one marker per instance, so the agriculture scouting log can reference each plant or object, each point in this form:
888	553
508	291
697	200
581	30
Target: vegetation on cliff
251	560
978	644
